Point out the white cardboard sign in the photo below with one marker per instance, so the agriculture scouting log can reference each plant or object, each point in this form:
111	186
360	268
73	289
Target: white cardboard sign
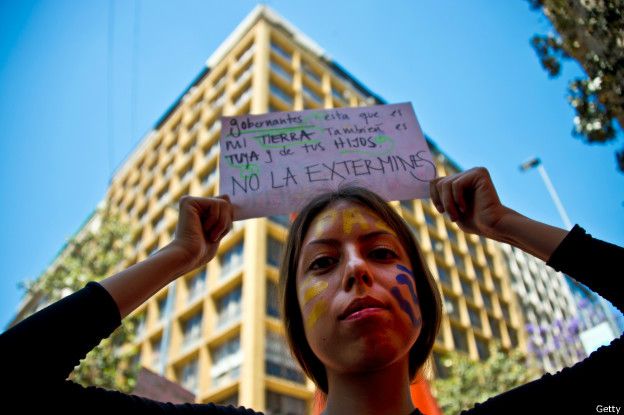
274	163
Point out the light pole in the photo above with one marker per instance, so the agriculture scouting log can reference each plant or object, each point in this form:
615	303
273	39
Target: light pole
535	162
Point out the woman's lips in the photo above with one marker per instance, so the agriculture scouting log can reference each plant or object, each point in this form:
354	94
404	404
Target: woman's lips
365	312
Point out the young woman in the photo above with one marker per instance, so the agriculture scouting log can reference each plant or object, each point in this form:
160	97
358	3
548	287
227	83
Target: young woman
361	310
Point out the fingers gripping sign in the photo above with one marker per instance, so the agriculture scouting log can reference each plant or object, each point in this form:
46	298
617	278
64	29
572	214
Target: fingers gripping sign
202	223
469	199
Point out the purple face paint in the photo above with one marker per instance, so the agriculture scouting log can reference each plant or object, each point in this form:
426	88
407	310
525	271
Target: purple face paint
402	279
405	269
404	304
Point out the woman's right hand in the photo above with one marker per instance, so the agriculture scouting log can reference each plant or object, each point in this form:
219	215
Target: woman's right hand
202	222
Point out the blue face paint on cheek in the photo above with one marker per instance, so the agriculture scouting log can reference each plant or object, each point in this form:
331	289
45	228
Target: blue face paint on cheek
404	269
403	303
405	280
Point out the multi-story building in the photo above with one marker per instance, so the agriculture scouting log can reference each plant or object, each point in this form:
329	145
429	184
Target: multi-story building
549	310
217	330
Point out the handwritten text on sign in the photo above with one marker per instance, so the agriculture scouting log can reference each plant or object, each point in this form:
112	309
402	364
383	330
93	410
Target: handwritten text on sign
274	163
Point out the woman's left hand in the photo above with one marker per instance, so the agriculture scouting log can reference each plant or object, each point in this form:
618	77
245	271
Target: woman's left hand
470	200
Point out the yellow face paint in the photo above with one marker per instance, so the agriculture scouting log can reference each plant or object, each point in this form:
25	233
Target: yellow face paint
319	308
314	290
324	222
310	292
351	217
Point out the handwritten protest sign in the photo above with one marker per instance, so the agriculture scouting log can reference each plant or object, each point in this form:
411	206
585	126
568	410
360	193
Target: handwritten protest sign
274	163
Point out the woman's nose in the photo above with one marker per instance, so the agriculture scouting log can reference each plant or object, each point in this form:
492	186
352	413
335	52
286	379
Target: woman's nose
356	270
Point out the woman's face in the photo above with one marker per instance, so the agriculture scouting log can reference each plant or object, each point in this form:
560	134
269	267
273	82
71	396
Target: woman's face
356	291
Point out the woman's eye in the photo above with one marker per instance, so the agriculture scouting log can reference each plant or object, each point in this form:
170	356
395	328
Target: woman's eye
322	263
383	253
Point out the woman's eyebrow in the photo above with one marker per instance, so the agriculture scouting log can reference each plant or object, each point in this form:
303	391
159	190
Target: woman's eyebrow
327	241
374	234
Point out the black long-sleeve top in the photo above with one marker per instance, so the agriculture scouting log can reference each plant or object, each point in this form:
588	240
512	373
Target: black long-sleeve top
39	353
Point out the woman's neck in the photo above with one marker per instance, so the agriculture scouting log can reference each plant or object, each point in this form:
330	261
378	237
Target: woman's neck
384	391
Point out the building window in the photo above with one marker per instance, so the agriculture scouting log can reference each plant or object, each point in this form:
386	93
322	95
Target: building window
407	206
280	51
163	312
444	275
242	97
278	360
494	327
226	361
196	285
310	73
459	260
466	287
187	172
279	404
195	124
487	300
162	195
157	353
159	222
209	177
191	330
472	248
272	302
475	317
140	325
172	147
212	150
280	93
229	308
479	273
149	189
274	251
497	285
482	348
460	338
190	147
505	310
281	219
219	81
429	219
244	75
168	170
188	376
309	93
231	260
220	99
489	258
281	71
246	54
513	337
215	127
451	304
452	234
441	366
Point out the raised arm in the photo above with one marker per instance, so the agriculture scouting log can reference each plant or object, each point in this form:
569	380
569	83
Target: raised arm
471	201
202	223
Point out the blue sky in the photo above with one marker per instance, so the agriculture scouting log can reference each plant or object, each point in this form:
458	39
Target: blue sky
476	85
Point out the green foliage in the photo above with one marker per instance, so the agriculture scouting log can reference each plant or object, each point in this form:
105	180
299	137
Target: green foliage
92	256
469	382
592	33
